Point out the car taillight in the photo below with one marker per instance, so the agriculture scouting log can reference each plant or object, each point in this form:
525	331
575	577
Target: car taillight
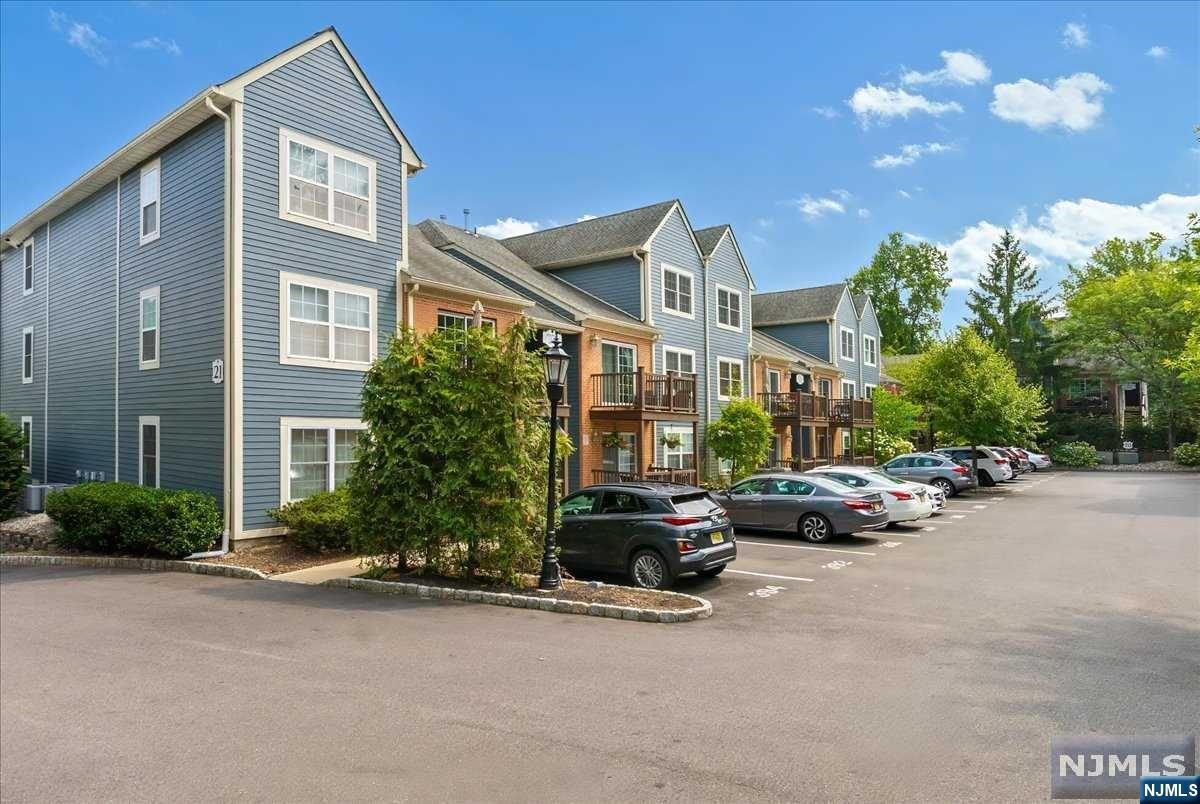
961	470
686	547
857	505
681	520
1002	460
901	495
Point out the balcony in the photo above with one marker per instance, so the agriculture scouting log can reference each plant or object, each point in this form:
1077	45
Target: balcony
639	396
851	411
798	406
655	474
804	464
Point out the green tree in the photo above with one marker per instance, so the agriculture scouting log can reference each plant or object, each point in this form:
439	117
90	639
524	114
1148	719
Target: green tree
742	434
972	392
896	419
1009	308
12	470
907	284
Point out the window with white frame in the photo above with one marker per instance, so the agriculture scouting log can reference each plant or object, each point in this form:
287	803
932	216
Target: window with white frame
847	344
845	442
148	340
149	456
848	389
458	322
680	453
825	388
27	355
677	291
869	391
729	308
774	381
27	258
27	443
870	350
326	324
148	201
729	378
318	455
326	186
679	361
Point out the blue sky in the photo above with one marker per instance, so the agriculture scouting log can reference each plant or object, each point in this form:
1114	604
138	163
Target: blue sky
814	129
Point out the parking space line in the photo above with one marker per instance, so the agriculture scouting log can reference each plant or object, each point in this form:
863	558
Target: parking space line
928	529
959	516
959	511
806	547
979	507
767	575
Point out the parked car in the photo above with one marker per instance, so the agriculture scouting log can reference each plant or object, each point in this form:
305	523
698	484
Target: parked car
993	467
939	471
652	532
815	507
1026	462
1038	460
904	501
1019	465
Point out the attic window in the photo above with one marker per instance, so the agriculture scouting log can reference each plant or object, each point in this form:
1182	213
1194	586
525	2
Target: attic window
326	186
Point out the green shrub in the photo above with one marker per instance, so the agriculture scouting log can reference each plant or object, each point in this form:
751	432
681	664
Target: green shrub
123	518
1188	454
12	473
319	522
1079	454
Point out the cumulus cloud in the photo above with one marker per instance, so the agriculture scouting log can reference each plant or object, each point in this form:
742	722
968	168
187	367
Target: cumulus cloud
828	112
1073	103
1075	35
864	213
881	103
1158	52
961	67
508	227
816	208
909	154
842	195
167	46
81	35
904	194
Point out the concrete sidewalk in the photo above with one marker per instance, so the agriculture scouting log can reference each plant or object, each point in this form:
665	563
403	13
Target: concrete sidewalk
314	575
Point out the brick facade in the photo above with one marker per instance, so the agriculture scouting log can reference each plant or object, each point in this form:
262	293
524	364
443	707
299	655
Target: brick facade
426	305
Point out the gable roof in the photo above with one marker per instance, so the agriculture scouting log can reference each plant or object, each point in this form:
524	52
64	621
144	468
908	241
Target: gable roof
430	265
596	238
795	306
861	300
193	112
710	237
769	346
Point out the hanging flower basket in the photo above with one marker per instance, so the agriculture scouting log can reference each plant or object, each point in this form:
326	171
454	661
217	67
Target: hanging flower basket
671	440
614	441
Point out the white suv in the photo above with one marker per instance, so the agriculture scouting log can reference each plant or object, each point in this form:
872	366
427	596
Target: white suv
993	467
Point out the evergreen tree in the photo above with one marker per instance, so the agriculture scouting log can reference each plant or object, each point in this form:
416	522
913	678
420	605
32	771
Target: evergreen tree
1009	308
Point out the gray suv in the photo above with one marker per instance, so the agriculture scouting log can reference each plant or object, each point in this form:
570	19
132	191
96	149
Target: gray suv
933	470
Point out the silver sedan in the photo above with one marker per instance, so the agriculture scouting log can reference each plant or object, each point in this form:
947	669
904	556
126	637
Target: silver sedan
817	508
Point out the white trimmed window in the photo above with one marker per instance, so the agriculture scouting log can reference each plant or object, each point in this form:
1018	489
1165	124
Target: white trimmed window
729	378
326	324
148	328
27	355
317	455
774	381
848	389
825	388
870	350
869	390
684	455
27	443
729	308
677	291
326	186
27	258
846	442
148	201
847	344
679	361
149	468
459	322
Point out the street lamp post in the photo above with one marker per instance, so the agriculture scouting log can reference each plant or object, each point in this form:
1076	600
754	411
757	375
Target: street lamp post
556	379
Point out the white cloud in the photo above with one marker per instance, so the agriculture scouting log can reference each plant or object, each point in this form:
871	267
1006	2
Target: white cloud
81	35
1075	35
1159	52
904	194
585	217
909	154
1068	231
815	208
960	67
880	103
864	213
168	46
508	227
828	112
842	195
1074	102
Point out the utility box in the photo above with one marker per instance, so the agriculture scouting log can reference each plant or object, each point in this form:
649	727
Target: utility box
1127	457
35	497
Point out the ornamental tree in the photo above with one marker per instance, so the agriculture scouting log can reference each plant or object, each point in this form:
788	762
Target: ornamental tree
742	434
896	419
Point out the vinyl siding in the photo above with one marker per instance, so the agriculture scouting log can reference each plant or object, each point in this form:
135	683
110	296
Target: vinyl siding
725	269
869	325
618	282
811	337
315	95
18	311
846	317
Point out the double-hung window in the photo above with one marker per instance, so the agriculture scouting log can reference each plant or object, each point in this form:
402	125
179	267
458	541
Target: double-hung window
729	378
326	186
682	456
318	455
848	389
677	291
847	344
27	261
774	381
459	322
870	350
27	355
149	328
729	308
27	443
149	456
148	201
326	324
680	362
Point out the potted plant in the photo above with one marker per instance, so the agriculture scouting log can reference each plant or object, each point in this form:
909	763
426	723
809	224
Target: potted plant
671	440
613	441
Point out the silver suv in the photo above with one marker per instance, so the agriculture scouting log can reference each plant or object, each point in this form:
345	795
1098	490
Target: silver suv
932	469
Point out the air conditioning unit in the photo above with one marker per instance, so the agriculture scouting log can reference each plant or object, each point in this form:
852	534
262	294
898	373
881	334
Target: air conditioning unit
35	497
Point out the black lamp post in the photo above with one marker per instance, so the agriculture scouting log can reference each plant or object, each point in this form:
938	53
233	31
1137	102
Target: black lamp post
556	379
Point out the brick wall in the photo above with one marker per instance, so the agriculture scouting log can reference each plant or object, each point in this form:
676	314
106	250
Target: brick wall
426	305
590	449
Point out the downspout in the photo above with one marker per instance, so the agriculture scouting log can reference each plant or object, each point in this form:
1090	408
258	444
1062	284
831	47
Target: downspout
230	495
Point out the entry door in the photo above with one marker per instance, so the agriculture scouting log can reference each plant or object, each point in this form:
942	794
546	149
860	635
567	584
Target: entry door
618	358
624	458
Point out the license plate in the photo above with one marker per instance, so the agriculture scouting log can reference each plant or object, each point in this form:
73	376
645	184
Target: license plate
717	537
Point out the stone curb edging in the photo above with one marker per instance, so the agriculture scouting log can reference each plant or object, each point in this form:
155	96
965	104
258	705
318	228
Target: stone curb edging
702	610
113	562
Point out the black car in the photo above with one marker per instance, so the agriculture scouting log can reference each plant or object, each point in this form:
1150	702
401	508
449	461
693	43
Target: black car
652	532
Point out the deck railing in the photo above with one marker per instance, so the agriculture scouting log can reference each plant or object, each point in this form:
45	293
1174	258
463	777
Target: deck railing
642	391
795	405
657	474
851	410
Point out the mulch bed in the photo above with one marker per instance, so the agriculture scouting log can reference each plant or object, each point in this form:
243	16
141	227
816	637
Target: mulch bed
1149	466
578	591
282	556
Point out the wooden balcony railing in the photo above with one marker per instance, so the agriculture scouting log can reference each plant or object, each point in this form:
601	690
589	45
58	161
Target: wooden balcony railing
795	405
641	392
656	474
804	464
846	411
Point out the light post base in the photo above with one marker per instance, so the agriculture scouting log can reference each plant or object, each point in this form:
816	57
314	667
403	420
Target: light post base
550	579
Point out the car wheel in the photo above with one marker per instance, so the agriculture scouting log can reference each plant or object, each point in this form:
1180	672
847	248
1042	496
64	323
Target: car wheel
711	572
985	479
815	528
945	485
648	570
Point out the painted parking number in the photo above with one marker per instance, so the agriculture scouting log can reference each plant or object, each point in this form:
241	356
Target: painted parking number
766	591
837	565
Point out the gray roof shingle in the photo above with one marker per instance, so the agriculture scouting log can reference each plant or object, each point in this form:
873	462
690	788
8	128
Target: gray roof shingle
708	238
860	302
621	231
428	264
801	304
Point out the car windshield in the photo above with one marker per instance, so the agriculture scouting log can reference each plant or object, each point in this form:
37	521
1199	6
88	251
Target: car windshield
837	480
695	504
884	477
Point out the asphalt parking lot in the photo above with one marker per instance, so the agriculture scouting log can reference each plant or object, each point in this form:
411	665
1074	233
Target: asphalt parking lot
934	669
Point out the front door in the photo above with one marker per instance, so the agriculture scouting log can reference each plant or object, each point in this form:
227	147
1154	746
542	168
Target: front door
618	359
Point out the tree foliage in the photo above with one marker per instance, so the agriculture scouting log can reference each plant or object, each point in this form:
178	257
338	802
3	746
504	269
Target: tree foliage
896	419
12	472
451	472
1009	308
742	434
907	284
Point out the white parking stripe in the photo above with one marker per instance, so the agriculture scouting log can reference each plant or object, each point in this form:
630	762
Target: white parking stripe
765	575
996	499
979	507
928	529
958	511
805	547
959	516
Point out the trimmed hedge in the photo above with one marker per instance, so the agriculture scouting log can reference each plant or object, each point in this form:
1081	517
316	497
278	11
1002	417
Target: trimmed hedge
1079	454
12	473
318	522
124	518
1188	454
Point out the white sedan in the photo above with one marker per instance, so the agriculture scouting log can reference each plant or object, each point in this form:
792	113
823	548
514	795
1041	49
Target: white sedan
1039	461
905	502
